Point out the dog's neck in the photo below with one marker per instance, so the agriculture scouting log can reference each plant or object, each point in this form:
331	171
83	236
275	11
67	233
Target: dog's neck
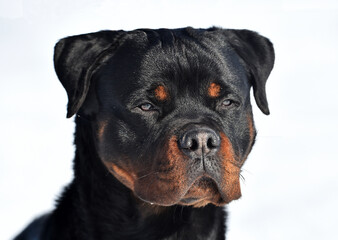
106	209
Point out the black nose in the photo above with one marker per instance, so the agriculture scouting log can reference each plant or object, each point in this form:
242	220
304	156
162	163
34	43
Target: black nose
199	141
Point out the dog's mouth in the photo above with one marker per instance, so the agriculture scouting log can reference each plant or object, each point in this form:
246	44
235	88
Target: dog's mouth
202	191
167	190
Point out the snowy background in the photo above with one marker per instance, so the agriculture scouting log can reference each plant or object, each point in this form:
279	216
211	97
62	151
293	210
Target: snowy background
291	178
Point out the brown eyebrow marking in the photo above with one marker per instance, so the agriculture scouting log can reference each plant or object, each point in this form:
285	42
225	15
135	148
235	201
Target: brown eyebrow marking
214	90
161	93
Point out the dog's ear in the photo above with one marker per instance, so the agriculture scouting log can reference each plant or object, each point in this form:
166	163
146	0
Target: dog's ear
258	55
76	58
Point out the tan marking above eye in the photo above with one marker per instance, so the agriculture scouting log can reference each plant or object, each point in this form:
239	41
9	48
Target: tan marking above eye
214	90
161	93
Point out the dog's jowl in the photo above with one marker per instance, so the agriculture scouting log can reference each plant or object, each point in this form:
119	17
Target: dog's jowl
163	126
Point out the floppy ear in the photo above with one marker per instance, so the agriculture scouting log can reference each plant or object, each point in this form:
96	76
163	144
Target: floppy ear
258	54
76	58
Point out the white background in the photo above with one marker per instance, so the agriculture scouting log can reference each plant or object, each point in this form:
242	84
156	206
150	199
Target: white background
291	178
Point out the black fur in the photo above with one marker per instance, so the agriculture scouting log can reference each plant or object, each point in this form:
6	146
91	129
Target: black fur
129	159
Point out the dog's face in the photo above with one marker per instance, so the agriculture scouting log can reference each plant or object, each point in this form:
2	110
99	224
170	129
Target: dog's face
170	109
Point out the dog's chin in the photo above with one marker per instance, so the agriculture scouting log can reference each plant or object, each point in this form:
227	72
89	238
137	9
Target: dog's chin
203	191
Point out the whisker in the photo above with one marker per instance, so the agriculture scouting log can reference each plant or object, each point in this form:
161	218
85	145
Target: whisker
146	175
242	177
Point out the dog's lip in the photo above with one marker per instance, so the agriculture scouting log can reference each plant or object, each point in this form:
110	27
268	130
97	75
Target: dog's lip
190	196
197	191
190	200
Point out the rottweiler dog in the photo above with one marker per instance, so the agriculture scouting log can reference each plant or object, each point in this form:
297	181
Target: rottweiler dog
163	126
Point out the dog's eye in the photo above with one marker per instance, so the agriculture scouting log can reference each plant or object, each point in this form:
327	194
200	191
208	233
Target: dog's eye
146	107
227	102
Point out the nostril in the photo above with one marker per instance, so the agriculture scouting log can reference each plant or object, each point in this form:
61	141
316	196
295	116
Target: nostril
194	145
213	142
210	143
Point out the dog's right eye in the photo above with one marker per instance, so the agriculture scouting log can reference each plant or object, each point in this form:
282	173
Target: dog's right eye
146	107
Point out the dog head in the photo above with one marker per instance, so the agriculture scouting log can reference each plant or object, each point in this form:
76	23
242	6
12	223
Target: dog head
170	109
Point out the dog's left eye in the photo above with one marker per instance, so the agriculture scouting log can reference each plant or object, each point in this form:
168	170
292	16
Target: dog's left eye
227	102
146	107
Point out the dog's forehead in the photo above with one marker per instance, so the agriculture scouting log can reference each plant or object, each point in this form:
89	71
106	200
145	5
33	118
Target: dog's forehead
170	57
175	56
